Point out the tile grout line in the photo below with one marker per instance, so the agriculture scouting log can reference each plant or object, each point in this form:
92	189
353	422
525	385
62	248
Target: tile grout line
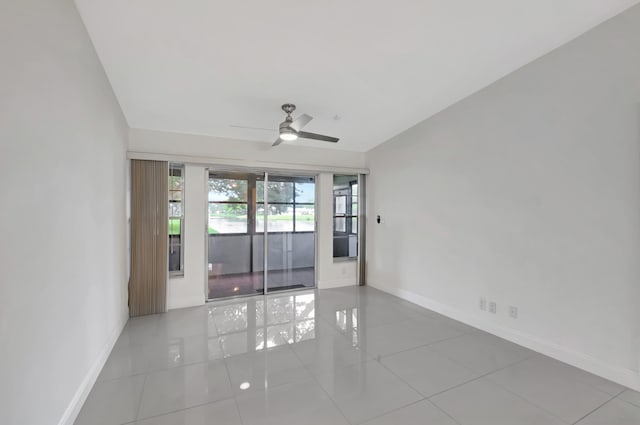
416	347
235	401
152	371
617	397
488	373
315	379
444	412
393	411
399	377
474	379
185	408
593	411
525	399
378	358
534	403
376	416
234	396
423	346
144	385
499	386
423	398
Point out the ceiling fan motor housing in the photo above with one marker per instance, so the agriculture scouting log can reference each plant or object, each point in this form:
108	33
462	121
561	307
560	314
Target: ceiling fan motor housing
286	125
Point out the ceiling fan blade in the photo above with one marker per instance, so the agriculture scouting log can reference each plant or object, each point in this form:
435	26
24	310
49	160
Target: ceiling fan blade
300	122
277	142
314	136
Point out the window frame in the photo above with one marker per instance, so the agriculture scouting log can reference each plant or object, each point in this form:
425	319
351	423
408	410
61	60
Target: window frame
254	204
180	218
348	217
247	202
351	216
294	203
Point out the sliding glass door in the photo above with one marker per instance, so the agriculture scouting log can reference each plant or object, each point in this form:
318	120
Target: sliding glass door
290	232
241	208
231	242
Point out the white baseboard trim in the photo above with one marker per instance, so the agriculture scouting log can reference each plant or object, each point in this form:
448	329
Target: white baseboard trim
184	302
336	283
623	376
72	411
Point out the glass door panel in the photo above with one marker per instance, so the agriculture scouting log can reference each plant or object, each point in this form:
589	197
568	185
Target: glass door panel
291	232
231	244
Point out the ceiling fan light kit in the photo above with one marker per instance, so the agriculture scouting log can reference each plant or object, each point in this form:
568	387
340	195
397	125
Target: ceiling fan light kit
287	135
286	132
290	129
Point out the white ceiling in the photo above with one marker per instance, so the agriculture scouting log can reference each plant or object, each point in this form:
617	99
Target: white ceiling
203	66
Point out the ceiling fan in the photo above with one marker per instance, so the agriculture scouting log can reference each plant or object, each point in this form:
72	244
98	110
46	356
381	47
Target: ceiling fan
291	129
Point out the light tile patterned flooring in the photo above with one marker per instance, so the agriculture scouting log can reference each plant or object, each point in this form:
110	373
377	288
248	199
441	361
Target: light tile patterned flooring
339	356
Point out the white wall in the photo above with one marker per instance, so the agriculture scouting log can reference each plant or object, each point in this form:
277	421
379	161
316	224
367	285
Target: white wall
527	193
240	152
63	282
330	274
189	290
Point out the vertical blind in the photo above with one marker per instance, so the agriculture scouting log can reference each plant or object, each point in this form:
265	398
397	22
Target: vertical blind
149	230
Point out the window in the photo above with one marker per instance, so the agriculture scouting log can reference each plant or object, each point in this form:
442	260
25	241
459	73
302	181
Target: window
354	208
345	216
176	218
228	205
290	203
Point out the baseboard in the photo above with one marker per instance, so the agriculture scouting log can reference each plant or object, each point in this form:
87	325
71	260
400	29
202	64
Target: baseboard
184	302
627	377
336	283
72	411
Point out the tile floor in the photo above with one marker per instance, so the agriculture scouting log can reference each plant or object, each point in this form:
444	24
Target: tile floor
339	356
231	285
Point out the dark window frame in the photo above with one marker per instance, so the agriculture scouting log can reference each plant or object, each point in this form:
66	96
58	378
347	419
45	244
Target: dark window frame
172	244
253	203
346	190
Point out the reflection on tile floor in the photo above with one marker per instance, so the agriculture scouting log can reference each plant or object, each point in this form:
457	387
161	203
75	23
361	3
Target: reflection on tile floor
231	285
339	356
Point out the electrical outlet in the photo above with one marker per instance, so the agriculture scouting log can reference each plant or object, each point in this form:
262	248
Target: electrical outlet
513	312
483	304
493	307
